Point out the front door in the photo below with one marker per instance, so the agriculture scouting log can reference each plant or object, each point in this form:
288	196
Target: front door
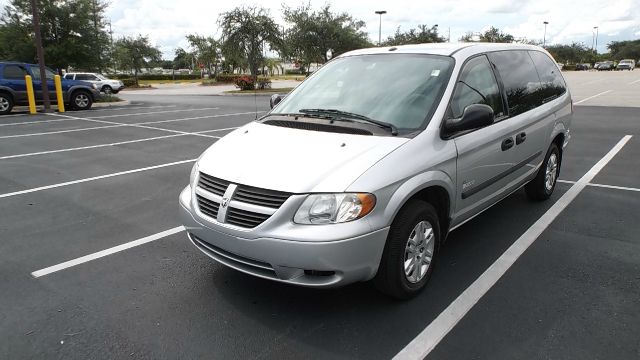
486	156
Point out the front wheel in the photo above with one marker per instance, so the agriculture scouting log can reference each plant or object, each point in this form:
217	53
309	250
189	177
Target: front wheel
541	187
6	103
81	100
409	254
107	89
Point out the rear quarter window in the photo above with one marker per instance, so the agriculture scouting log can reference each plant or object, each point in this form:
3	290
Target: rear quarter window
552	84
520	79
13	72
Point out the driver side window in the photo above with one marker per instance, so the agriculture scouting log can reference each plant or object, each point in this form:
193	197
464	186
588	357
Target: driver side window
476	85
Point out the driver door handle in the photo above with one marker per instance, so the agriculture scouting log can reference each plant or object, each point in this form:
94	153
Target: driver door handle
507	144
520	138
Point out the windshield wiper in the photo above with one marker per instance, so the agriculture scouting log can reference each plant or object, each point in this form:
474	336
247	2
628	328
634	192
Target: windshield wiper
341	115
317	116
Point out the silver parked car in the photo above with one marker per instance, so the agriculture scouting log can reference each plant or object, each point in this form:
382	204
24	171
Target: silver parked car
364	168
104	84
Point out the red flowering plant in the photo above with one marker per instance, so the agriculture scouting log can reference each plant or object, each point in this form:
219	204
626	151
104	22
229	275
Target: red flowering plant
245	82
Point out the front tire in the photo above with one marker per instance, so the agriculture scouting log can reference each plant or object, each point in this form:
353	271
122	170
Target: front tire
107	89
81	100
409	253
541	187
6	103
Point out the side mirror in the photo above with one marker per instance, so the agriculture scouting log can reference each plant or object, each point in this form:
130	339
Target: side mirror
474	116
275	99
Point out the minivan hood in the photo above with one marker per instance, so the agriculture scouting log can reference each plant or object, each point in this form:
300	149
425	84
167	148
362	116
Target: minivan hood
293	160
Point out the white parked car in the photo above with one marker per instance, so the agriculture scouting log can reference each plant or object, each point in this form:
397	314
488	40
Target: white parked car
105	85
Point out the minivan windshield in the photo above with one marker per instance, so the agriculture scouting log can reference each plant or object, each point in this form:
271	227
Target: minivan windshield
399	89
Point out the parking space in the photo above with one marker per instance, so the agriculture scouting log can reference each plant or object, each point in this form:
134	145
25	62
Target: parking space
70	193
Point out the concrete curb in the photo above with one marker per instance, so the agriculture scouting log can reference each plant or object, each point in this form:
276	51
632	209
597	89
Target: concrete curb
252	94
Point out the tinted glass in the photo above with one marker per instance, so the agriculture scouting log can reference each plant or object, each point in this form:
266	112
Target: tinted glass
35	71
520	79
552	83
476	85
402	89
69	76
14	72
82	77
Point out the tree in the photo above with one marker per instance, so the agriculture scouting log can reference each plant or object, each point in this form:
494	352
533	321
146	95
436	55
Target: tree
182	59
422	34
273	65
206	50
571	54
73	33
246	32
313	33
624	49
492	35
135	53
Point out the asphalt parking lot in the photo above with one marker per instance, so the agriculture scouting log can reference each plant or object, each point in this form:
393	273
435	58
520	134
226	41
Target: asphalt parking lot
94	265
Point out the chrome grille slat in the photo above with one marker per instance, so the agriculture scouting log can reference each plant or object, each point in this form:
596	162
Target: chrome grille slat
249	206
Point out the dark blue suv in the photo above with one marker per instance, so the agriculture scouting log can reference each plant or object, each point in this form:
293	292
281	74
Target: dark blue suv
78	95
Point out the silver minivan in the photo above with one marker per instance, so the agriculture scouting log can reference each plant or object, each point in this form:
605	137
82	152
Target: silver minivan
364	168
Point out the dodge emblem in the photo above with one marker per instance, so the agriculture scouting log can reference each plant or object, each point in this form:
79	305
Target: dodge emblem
225	202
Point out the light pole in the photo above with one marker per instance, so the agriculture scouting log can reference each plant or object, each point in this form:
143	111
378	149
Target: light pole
596	48
544	38
380	12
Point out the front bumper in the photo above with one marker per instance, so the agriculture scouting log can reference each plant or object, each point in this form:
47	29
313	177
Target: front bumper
329	263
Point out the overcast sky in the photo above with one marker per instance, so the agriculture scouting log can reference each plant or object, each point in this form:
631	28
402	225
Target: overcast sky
168	21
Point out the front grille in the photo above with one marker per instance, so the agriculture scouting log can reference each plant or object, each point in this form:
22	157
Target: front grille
212	184
208	207
245	218
250	195
262	197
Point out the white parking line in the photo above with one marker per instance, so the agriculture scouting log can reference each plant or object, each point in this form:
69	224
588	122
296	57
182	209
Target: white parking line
53	186
112	144
153	113
58	120
103	253
427	340
604	186
120	124
633	82
591	97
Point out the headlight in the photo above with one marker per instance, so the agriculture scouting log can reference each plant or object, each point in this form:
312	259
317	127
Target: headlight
194	173
334	208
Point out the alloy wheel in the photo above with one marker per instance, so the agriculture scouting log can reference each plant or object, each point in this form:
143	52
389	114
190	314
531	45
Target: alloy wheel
551	172
418	252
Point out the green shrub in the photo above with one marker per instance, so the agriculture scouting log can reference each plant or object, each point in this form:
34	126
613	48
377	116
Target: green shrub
156	77
293	72
264	83
245	82
568	67
129	82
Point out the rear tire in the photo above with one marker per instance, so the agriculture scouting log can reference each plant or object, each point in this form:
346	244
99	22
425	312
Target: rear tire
81	100
541	187
6	103
414	239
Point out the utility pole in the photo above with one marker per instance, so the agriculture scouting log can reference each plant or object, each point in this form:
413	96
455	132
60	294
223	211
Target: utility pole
40	52
544	38
380	12
596	48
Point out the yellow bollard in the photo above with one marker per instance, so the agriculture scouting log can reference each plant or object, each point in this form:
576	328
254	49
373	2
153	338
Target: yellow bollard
30	96
59	93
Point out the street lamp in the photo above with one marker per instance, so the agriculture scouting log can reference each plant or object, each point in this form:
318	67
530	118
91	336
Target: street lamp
544	38
380	12
596	29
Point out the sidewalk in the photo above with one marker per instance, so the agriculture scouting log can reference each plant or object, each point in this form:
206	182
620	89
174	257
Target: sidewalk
197	89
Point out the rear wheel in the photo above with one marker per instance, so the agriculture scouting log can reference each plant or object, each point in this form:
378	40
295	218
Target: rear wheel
410	251
541	187
81	100
6	103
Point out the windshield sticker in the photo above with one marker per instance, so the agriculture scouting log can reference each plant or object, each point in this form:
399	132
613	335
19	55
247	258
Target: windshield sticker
435	72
